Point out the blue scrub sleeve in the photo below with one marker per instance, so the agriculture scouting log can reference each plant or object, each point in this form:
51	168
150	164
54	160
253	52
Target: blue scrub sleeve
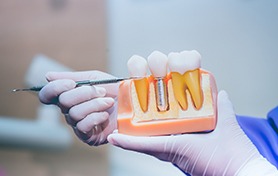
263	133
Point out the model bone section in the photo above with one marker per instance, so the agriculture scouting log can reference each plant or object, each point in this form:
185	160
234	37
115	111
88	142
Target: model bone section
158	66
185	72
138	67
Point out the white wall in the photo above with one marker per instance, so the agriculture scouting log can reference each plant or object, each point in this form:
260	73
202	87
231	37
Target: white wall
238	40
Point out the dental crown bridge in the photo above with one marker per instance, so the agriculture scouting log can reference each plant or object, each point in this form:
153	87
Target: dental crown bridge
167	102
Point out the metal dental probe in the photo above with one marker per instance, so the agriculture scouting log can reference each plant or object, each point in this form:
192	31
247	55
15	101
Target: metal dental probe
80	83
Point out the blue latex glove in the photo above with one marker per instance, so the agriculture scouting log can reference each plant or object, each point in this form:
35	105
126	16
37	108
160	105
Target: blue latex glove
263	133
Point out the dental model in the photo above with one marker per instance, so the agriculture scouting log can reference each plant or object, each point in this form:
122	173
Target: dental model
182	101
185	70
158	66
138	67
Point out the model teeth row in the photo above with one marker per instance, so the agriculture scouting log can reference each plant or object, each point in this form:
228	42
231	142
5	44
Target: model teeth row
185	75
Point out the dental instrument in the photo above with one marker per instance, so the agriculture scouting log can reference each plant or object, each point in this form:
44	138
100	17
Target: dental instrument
80	83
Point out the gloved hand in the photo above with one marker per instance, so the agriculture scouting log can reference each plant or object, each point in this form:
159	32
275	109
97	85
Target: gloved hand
224	151
90	110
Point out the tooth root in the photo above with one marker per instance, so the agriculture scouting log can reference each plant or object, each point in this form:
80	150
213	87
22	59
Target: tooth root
179	87
142	87
193	82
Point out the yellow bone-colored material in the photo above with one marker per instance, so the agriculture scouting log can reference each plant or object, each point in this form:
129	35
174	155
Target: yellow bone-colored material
179	87
142	90
192	80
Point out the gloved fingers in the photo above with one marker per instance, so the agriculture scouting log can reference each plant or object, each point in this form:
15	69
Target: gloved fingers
69	120
89	122
98	139
49	93
82	110
79	95
94	137
111	89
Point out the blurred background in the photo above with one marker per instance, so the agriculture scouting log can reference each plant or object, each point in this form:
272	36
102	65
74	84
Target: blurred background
237	39
68	32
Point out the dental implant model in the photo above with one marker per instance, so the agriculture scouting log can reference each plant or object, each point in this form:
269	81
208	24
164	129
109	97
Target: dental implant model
158	65
181	101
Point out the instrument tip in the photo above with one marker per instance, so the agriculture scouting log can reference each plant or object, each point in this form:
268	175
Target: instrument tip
15	90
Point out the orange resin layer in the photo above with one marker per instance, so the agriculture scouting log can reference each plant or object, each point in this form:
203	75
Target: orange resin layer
133	121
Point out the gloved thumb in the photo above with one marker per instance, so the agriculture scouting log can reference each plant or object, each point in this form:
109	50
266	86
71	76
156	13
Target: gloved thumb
226	113
154	146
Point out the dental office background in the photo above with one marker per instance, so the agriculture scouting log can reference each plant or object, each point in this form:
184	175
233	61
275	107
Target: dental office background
237	39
